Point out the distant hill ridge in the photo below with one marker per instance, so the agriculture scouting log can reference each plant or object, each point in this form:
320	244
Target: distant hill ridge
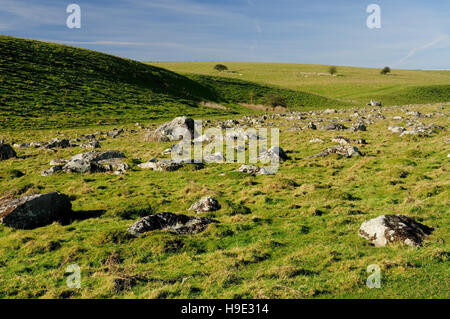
51	85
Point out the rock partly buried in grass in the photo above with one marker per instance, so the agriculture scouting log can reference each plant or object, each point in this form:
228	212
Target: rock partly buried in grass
311	126
422	130
274	153
52	170
206	204
387	229
34	211
345	141
360	126
396	129
114	133
316	140
181	224
92	144
173	130
333	127
253	170
374	103
162	166
57	143
6	152
344	150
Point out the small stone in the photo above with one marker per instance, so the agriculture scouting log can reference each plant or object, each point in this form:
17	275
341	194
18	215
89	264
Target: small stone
206	204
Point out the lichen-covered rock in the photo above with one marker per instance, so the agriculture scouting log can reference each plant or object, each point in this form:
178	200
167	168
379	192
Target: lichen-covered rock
181	224
345	141
253	170
173	130
360	126
311	126
34	211
396	129
344	150
111	165
96	161
56	142
52	170
6	152
274	153
386	229
333	127
92	144
114	133
162	166
206	204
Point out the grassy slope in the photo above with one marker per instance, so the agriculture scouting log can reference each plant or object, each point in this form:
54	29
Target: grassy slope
75	86
352	84
48	85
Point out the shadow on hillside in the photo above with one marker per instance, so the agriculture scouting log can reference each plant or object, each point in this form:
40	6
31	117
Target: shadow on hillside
86	214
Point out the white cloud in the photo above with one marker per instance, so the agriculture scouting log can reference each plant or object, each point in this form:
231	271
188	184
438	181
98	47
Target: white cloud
191	8
31	13
423	47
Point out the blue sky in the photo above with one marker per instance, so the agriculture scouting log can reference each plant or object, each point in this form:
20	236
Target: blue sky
414	34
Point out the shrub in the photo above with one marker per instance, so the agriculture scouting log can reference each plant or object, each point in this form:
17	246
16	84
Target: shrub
386	70
220	67
332	70
275	100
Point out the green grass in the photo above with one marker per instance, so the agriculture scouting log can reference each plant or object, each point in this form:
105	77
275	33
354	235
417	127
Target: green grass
351	84
280	249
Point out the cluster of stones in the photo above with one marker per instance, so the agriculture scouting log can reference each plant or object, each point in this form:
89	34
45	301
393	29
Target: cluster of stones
90	162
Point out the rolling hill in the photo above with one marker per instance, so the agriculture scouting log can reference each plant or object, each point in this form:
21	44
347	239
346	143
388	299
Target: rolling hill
351	84
51	85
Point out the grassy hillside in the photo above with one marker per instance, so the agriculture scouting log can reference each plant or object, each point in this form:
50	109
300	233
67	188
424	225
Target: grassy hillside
239	91
48	85
351	84
74	86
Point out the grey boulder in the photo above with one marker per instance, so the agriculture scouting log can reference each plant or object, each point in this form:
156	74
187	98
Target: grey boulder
387	229
206	204
34	211
6	152
274	153
96	161
181	224
343	150
173	130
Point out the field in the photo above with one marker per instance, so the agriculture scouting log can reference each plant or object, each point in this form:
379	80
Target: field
350	84
289	235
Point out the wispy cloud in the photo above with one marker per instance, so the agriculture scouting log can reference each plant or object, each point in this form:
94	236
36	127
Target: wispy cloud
189	7
32	13
423	47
